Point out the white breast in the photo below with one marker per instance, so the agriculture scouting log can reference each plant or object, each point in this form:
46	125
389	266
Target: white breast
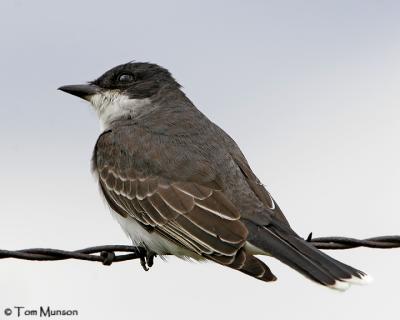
112	104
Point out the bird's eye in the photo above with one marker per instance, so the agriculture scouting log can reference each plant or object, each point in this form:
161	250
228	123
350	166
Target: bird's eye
126	78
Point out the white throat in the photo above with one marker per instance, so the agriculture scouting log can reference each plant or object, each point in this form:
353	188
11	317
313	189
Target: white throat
112	105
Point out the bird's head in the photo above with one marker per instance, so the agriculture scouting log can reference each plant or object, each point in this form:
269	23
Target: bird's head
124	91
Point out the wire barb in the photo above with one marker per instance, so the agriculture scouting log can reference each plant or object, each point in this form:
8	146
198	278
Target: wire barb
108	254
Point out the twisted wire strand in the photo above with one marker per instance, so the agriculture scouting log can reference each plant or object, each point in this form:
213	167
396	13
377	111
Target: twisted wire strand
108	254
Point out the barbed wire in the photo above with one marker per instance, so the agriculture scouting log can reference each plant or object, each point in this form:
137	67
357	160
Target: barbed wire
107	254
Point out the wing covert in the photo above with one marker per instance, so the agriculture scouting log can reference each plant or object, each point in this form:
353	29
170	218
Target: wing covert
198	217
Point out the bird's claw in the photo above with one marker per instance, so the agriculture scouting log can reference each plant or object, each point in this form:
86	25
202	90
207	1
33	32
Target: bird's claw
146	258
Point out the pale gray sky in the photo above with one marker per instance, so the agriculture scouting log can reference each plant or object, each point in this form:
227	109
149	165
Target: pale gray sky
308	89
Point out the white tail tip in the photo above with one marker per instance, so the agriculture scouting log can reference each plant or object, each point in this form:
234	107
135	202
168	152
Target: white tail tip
365	279
344	284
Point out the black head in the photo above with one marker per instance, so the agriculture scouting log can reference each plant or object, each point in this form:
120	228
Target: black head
137	80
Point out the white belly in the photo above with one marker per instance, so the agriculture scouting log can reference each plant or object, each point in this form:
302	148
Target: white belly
151	241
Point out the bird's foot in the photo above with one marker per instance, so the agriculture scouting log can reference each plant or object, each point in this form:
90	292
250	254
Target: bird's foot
146	258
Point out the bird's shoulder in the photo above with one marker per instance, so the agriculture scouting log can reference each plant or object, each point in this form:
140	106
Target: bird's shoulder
137	148
210	159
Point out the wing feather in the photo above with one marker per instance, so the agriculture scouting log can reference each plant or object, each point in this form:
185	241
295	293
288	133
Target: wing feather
219	205
166	211
259	190
197	217
152	212
228	230
194	190
142	189
139	181
214	243
178	201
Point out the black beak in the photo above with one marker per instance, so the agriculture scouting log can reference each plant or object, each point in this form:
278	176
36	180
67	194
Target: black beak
84	91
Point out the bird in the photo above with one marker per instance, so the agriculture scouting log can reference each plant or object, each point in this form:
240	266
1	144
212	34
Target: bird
180	185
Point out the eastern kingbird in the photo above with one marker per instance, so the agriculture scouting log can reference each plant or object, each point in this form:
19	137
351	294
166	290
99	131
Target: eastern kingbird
178	184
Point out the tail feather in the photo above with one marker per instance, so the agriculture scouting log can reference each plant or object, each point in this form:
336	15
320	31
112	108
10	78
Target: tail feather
285	245
247	264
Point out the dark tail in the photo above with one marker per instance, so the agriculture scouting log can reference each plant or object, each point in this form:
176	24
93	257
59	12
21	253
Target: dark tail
284	244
